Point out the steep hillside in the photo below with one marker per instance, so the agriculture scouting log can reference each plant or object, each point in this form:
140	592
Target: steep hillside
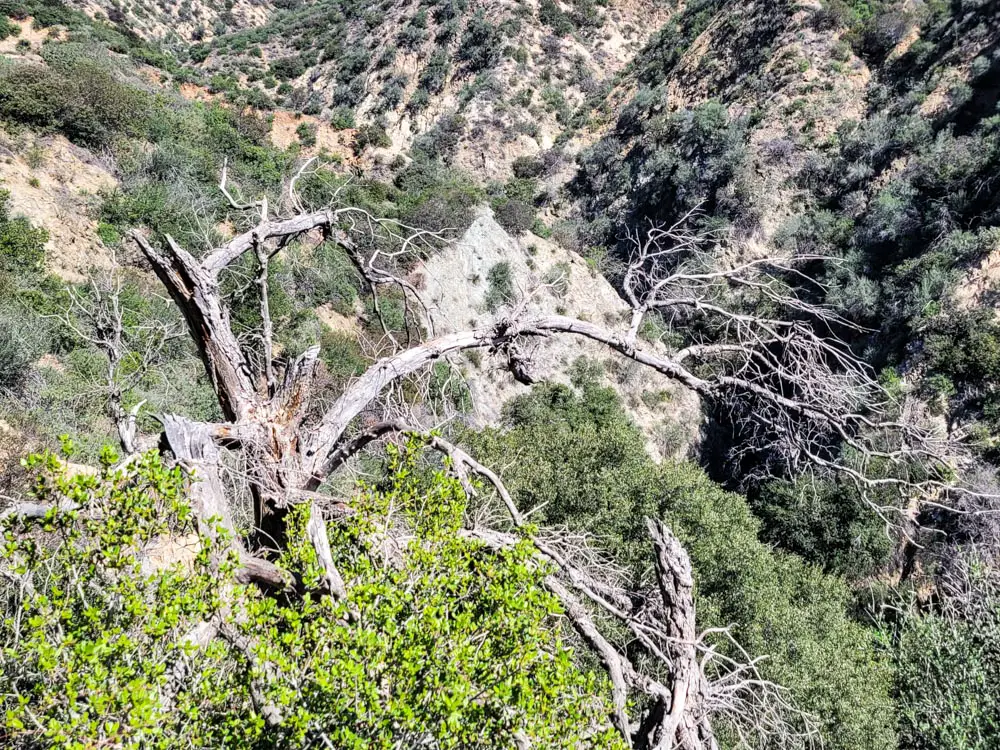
503	79
179	24
862	132
483	185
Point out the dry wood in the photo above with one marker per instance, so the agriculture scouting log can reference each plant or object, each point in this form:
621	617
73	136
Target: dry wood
798	388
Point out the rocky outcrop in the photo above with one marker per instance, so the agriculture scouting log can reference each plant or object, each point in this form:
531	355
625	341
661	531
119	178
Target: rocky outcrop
454	286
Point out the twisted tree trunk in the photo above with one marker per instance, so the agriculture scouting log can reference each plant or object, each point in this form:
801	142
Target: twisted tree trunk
804	386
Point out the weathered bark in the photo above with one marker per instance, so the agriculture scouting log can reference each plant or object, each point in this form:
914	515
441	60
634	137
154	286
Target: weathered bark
289	457
195	290
684	724
195	449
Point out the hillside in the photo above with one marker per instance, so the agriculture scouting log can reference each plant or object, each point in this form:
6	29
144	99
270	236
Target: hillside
426	321
503	79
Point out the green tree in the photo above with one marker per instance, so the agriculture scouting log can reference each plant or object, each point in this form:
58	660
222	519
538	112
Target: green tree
577	457
826	522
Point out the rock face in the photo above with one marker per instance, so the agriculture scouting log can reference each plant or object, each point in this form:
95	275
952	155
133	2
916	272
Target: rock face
456	290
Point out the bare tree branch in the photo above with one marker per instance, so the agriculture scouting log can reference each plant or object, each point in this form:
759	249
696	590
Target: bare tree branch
750	345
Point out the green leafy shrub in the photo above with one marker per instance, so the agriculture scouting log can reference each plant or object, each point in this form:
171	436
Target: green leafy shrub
341	118
287	68
948	666
458	643
342	355
965	346
527	167
514	215
25	293
76	95
441	141
436	197
17	351
22	246
91	656
435	73
825	522
482	43
962	351
674	162
306	133
514	205
8	28
370	135
552	15
447	388
500	287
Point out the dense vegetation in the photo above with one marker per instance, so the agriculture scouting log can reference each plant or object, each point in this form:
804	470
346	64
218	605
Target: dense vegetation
888	644
900	200
459	646
576	456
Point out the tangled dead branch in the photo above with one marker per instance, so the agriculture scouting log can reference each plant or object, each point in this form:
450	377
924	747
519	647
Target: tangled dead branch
784	372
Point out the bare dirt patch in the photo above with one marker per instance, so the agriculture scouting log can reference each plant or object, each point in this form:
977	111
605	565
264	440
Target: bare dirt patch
54	184
328	140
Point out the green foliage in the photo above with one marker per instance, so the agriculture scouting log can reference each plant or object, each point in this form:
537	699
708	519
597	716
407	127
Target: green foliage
435	197
500	287
22	246
306	133
906	239
435	73
22	252
164	181
77	94
341	118
673	162
516	216
342	355
965	346
580	461
85	641
527	167
457	644
16	350
514	204
962	351
441	141
826	522
948	675
45	12
482	43
287	68
447	388
424	194
370	135
8	28
327	276
552	15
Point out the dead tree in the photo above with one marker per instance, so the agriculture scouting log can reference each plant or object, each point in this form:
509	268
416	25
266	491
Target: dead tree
806	388
98	314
